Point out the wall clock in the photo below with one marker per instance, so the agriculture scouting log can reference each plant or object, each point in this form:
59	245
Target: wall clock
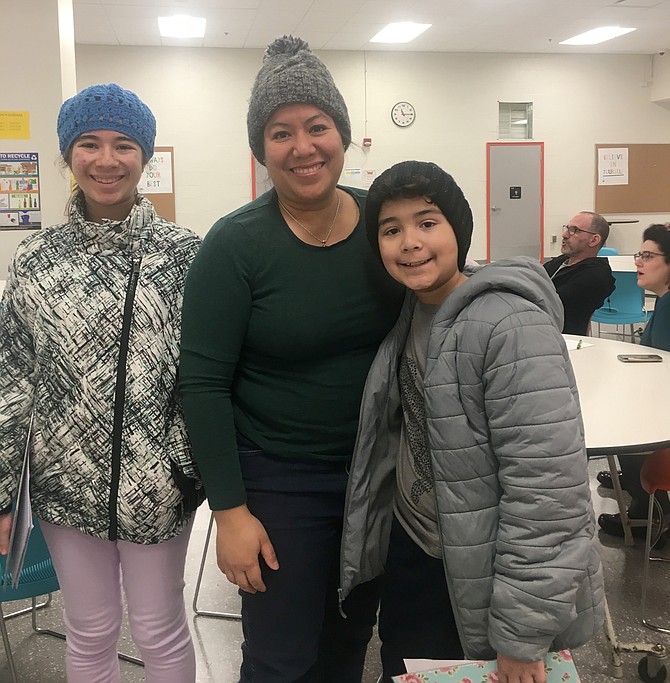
403	114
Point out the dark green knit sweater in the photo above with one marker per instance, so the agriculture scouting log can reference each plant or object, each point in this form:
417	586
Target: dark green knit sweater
277	340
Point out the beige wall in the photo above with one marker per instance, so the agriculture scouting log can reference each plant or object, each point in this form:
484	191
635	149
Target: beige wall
660	86
35	60
200	98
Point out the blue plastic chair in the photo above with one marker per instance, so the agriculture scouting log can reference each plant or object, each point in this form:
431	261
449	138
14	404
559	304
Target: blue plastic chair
625	306
608	251
37	578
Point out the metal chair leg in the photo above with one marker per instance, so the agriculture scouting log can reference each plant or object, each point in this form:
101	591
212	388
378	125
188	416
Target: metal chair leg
33	618
41	631
647	559
130	658
5	636
61	636
613	641
56	634
656	651
208	613
25	610
8	647
618	493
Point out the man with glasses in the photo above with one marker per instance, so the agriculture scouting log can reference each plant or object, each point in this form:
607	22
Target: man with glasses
582	279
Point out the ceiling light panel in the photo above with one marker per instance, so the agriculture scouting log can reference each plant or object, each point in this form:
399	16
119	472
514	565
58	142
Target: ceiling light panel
182	26
400	32
597	35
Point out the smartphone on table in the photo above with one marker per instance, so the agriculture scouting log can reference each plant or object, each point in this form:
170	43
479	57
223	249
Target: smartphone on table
639	358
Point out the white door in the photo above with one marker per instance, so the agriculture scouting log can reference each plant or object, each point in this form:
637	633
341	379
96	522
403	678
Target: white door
515	225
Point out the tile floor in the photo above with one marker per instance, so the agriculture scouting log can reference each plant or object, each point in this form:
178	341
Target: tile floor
39	659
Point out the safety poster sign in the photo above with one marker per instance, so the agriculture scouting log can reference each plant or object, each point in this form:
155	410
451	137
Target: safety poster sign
20	207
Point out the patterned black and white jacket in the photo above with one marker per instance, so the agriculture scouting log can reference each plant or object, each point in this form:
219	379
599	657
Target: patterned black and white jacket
89	339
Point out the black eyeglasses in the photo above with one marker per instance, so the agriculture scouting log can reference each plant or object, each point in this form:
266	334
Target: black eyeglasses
573	230
646	255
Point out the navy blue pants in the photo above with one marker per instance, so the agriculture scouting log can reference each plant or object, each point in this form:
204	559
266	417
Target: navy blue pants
294	633
416	620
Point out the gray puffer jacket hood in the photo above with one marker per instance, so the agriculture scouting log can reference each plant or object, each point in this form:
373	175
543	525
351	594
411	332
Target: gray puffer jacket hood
522	276
509	464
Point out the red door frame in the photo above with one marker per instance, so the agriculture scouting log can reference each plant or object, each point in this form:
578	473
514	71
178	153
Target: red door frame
489	145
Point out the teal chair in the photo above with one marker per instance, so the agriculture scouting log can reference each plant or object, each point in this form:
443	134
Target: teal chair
37	578
608	251
625	306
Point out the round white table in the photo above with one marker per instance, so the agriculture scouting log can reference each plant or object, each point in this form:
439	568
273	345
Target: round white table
625	410
622	264
624	405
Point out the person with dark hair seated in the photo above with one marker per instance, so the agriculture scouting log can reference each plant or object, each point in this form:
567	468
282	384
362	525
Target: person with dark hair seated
653	274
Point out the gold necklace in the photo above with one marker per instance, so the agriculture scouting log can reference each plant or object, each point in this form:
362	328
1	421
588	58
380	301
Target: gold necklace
306	229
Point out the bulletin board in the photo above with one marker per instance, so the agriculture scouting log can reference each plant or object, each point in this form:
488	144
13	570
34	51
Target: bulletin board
163	201
648	187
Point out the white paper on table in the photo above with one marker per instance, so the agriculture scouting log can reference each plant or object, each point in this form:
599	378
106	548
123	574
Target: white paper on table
416	665
573	343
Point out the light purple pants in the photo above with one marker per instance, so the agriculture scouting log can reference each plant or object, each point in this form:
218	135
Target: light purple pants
90	572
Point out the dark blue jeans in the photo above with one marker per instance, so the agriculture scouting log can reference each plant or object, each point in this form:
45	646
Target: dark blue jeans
294	633
416	620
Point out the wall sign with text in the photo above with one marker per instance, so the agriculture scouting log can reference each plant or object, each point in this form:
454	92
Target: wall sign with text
613	166
157	175
20	206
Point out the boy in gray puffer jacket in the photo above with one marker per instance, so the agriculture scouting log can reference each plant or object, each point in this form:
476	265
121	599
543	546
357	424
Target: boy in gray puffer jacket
469	486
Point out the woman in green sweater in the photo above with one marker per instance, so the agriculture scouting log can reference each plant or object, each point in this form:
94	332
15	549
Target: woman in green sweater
285	306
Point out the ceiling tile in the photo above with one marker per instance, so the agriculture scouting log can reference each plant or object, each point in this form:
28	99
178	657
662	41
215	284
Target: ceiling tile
457	26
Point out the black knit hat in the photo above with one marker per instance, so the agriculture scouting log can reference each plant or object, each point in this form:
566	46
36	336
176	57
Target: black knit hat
291	74
410	179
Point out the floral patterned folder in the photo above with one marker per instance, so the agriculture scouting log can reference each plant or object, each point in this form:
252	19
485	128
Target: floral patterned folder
558	665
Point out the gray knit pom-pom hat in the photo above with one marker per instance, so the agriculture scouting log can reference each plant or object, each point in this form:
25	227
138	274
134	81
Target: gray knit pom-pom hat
291	73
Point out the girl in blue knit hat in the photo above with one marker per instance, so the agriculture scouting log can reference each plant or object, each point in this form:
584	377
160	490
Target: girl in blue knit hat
90	324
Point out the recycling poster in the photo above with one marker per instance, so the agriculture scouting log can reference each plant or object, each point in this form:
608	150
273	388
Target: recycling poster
20	191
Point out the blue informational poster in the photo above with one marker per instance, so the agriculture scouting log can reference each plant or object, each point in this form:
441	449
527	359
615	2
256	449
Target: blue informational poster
20	206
